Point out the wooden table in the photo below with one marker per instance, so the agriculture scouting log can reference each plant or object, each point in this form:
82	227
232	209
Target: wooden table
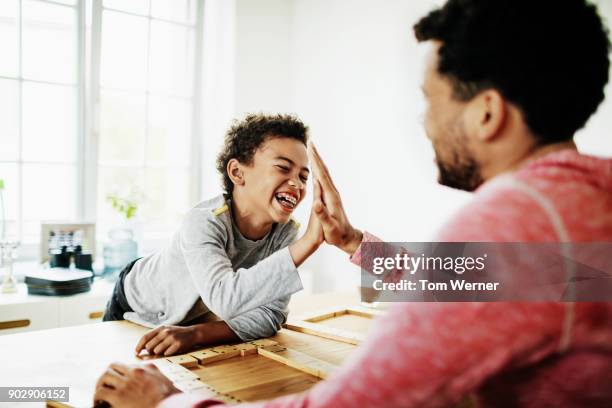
76	356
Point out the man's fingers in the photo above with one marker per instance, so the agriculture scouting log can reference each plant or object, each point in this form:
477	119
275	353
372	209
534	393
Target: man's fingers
329	193
145	339
317	163
100	381
110	379
322	167
120	368
318	205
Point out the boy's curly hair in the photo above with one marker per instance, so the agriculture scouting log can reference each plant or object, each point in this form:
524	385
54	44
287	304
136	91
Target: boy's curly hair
245	136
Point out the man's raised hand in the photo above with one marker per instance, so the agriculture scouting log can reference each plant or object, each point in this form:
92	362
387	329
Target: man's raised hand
337	230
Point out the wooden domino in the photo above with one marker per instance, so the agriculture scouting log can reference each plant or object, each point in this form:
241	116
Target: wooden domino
264	343
207	356
185	360
246	349
273	349
244	346
203	355
222	348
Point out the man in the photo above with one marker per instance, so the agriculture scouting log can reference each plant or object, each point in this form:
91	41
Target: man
508	83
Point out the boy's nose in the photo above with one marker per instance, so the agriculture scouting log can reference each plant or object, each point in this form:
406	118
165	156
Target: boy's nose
297	184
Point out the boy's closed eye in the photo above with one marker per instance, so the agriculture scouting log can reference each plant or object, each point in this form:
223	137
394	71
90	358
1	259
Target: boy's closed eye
286	169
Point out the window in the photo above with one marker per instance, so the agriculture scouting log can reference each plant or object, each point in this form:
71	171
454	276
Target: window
147	100
97	98
39	98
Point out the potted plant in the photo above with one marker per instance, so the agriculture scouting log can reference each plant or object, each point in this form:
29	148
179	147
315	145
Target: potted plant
122	248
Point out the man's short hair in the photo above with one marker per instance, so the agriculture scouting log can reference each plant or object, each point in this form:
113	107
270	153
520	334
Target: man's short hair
246	136
548	57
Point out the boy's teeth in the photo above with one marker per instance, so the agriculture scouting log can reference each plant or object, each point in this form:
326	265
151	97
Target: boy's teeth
288	197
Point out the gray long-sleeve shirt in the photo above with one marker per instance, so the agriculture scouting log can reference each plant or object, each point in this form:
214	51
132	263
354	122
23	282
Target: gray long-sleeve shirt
210	267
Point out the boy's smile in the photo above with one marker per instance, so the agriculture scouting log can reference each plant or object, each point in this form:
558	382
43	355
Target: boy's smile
287	200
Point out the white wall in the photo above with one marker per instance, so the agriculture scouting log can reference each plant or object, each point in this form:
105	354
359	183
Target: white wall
264	72
218	85
351	70
356	78
596	137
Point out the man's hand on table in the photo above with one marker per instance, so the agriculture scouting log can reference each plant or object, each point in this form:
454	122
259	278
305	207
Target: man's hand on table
337	230
125	386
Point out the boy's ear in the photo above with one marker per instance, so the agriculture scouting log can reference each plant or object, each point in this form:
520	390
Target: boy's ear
235	173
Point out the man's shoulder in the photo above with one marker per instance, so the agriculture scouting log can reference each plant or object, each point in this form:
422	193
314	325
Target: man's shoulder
504	209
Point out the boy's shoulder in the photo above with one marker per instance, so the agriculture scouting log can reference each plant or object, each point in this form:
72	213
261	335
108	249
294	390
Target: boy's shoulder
212	207
214	210
292	225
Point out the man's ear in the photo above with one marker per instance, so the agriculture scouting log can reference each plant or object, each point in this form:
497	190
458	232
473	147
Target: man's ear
487	115
235	173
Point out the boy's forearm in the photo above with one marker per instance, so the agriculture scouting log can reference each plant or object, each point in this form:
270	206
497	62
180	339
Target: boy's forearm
301	249
214	333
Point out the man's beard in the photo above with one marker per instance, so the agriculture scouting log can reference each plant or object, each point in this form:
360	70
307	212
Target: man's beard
463	177
461	171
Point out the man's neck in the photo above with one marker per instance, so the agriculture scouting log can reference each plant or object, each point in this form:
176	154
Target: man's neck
249	224
528	155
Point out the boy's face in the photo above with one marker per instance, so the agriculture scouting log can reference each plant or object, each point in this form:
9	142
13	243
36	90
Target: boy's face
275	183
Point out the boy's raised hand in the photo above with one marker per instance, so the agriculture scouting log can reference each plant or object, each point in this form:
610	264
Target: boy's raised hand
314	230
308	243
337	230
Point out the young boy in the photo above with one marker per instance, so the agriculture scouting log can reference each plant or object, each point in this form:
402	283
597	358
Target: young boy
235	256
